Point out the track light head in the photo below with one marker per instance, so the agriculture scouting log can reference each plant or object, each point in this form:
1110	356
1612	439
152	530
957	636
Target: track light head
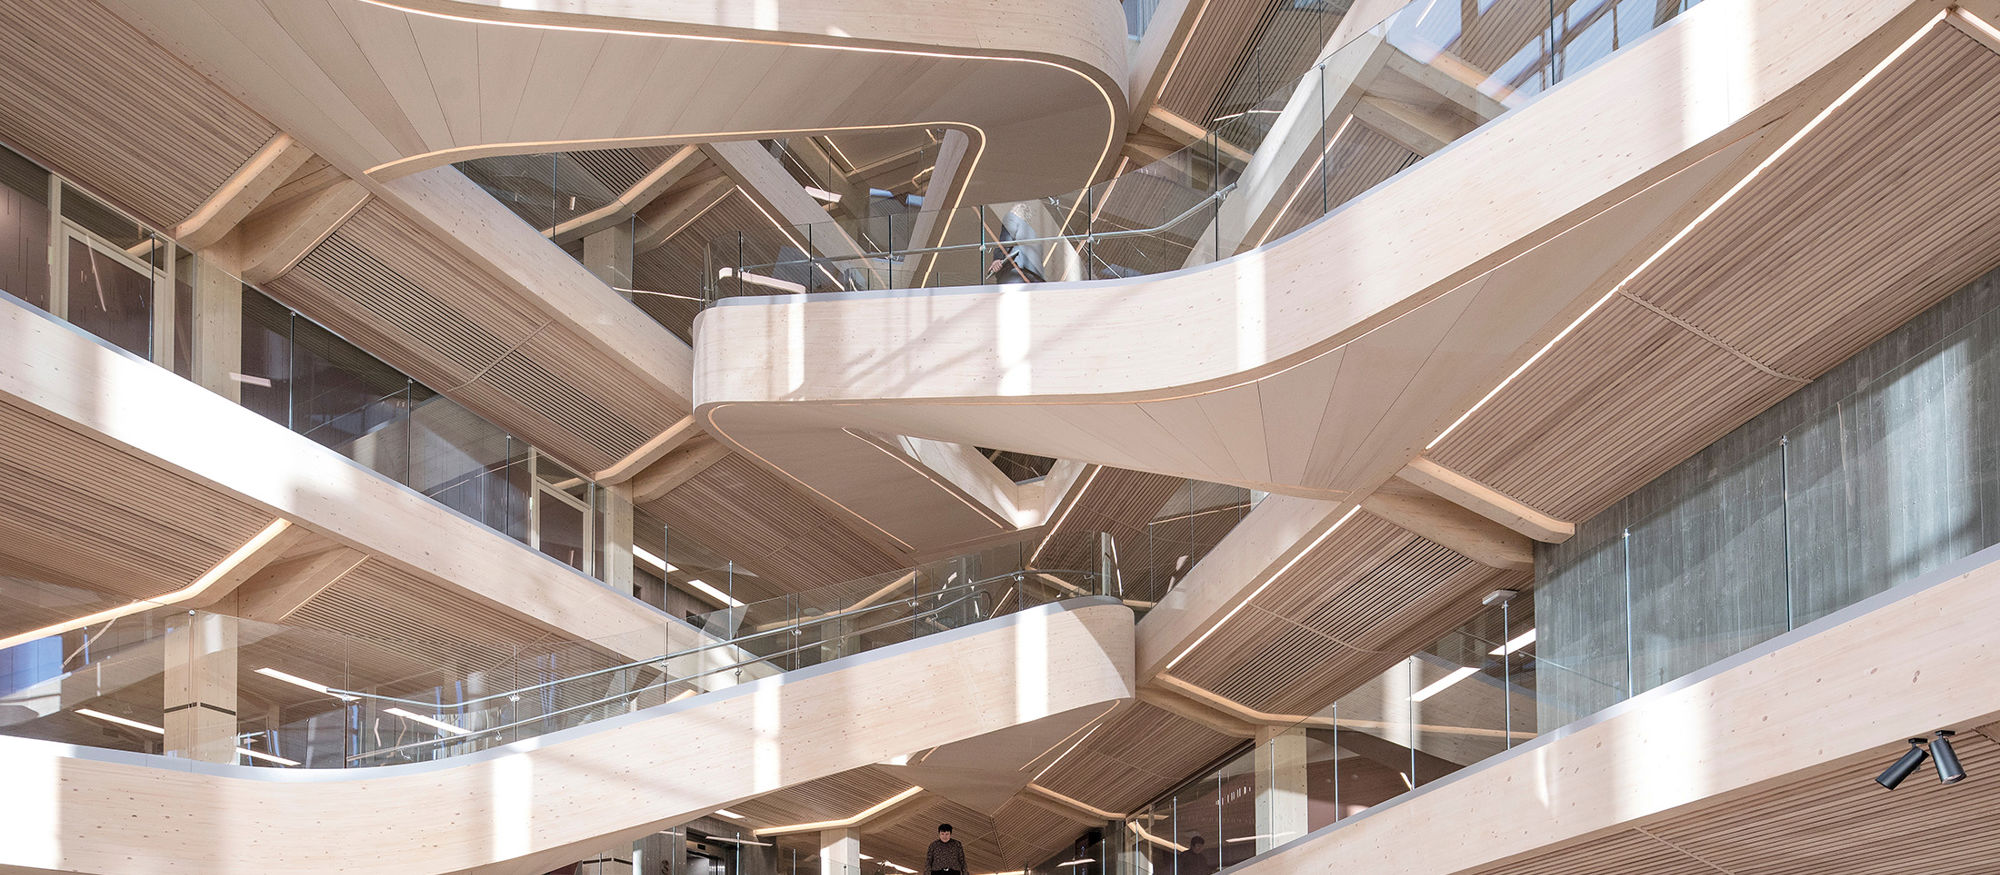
1948	769
1904	765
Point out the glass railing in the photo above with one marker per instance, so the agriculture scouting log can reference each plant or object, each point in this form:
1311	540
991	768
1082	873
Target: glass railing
1871	477
308	697
1425	77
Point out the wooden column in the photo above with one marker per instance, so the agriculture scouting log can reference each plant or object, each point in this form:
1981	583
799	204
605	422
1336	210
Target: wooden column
840	852
200	681
607	254
615	533
218	329
1280	763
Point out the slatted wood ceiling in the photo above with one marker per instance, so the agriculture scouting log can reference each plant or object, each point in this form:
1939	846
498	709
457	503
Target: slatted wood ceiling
91	97
395	290
1801	270
1116	500
675	267
85	513
1832	820
1361	602
1134	756
745	512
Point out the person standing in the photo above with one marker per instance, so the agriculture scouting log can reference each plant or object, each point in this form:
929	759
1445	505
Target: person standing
946	856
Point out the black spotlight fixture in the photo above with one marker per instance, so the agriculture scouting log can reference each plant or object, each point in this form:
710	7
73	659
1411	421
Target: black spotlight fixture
1906	764
1948	769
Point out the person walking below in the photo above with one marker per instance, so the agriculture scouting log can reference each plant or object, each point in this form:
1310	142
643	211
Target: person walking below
946	856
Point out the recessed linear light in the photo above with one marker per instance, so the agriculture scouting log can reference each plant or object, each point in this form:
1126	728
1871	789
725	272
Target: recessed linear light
121	721
419	718
264	382
1443	682
655	561
758	279
297	681
822	194
1522	640
269	758
717	594
904	869
729	814
1077	862
1700	218
731	841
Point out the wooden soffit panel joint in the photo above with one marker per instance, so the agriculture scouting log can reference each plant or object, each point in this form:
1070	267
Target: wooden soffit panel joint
1199	712
284	587
652	451
269	243
1447	524
244	192
1485	501
666	475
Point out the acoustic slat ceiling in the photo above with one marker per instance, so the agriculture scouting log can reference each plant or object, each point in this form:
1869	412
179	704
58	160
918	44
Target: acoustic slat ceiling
394	289
1133	756
82	512
1830	820
90	96
1803	268
747	513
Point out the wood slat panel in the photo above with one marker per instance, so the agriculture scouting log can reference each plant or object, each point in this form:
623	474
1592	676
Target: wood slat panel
83	513
746	513
92	97
1874	217
1830	820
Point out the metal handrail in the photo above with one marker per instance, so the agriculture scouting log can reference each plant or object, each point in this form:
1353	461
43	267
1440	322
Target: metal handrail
1218	195
929	614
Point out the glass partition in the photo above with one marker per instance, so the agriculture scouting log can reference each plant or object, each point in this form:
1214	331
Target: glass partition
309	697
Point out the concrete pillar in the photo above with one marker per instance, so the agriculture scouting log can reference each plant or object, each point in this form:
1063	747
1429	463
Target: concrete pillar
218	329
200	683
608	255
840	852
757	859
662	853
1280	762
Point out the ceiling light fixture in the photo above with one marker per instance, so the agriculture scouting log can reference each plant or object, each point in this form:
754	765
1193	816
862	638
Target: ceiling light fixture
1514	646
1904	765
1946	759
1444	682
714	593
427	721
822	194
650	559
1077	862
729	814
121	721
297	681
269	758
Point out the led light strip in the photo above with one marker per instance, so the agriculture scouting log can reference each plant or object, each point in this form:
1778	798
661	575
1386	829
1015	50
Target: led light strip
1688	229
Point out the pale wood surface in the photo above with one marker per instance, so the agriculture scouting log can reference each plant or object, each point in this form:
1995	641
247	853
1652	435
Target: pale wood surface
1355	350
1834	703
407	86
538	805
175	427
